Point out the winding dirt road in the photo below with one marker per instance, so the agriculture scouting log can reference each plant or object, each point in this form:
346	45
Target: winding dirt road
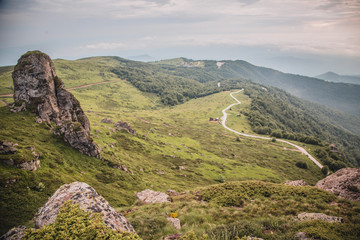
223	122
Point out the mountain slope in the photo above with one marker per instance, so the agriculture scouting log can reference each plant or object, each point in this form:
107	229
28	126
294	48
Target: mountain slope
177	80
338	96
333	77
175	147
279	114
166	139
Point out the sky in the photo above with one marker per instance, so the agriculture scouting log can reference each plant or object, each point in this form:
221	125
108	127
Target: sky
306	37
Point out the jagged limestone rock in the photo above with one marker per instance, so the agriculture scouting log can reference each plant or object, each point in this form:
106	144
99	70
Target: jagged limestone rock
37	85
150	196
88	199
345	183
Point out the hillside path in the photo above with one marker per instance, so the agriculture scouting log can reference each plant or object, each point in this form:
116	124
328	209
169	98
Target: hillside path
223	122
76	87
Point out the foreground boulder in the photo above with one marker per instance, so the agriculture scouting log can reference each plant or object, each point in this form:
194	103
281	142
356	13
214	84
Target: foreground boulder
37	87
88	199
345	183
150	196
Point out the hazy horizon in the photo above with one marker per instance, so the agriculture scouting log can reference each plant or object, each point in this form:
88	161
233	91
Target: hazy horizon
301	37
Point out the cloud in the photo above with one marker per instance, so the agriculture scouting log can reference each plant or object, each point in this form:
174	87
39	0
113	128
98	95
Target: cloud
105	46
107	26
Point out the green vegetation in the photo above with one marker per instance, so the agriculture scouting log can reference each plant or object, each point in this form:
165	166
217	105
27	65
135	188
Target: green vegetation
281	115
176	147
74	223
254	208
338	96
166	139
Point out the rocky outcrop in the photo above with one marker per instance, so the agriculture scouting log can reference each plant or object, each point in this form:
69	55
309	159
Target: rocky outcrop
105	120
8	148
15	233
345	183
149	196
17	160
28	165
38	87
88	199
175	222
318	216
124	126
296	183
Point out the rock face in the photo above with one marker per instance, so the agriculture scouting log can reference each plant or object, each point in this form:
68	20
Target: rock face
345	183
88	199
38	87
318	216
296	183
149	196
15	233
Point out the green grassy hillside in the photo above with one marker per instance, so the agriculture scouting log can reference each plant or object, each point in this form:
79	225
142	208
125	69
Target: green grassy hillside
175	147
249	208
167	138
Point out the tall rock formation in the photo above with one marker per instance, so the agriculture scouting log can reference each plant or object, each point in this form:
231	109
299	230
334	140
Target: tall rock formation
37	86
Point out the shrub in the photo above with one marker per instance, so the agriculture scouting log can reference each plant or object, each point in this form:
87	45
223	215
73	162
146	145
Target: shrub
75	223
325	170
301	165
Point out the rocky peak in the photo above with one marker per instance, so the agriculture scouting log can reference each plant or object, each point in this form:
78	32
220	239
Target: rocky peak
38	87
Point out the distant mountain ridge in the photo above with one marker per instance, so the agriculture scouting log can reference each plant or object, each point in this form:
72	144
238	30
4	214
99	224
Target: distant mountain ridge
334	77
343	97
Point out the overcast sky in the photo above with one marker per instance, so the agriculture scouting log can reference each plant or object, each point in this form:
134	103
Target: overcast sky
299	36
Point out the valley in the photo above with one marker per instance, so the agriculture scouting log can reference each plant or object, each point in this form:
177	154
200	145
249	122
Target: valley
175	147
223	122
